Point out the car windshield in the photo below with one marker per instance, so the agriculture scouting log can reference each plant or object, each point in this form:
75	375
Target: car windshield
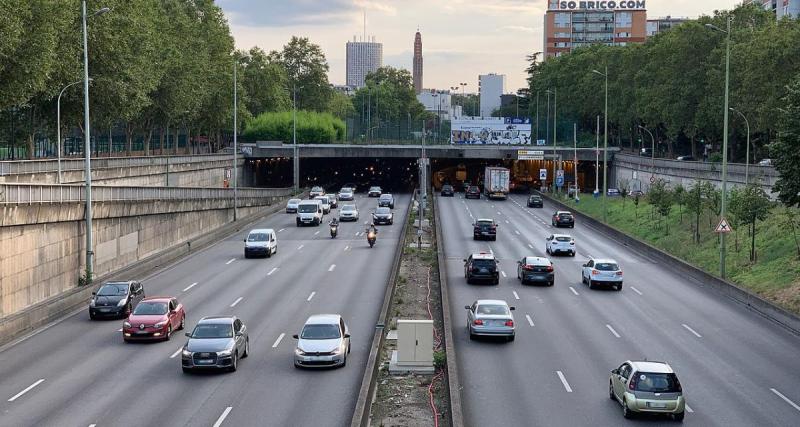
447	187
535	198
349	208
485	223
213	330
473	189
316	189
294	201
492	309
345	190
374	188
320	332
113	290
307	208
565	215
606	266
657	382
257	237
153	308
386	197
483	263
382	211
564	239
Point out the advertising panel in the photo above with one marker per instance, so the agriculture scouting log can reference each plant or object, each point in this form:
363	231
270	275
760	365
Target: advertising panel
599	5
491	131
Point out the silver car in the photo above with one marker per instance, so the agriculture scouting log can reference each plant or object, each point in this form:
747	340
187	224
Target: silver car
291	205
348	213
488	317
323	342
647	387
346	194
599	272
217	342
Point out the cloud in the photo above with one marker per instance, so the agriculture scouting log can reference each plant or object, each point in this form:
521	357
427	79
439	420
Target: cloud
519	28
376	5
283	13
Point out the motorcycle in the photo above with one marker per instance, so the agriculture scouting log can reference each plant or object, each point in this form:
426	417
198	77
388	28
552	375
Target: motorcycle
334	229
372	235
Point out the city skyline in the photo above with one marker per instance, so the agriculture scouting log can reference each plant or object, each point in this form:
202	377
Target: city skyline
462	38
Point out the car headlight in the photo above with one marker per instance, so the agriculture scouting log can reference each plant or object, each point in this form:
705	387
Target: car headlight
126	324
122	302
337	350
91	302
160	325
186	353
299	352
224	353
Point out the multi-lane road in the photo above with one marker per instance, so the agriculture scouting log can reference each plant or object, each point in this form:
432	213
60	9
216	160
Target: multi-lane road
736	368
80	373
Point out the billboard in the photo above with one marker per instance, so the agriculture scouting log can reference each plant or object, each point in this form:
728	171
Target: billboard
491	131
599	5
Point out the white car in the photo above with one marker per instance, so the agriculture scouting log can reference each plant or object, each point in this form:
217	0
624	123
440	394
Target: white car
346	194
291	205
261	242
348	213
326	204
602	272
316	191
560	243
323	342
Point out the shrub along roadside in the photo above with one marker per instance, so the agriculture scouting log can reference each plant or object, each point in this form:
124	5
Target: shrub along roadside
774	273
312	128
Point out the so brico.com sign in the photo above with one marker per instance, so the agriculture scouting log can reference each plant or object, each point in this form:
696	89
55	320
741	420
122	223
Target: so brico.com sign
602	5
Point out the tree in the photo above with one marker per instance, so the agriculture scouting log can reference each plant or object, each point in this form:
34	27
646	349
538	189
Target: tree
341	105
661	198
624	189
786	150
696	203
751	204
264	83
307	71
679	193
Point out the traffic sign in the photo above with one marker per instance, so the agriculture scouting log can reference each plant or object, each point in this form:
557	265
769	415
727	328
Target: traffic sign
560	174
530	155
723	227
652	179
542	174
540	142
559	181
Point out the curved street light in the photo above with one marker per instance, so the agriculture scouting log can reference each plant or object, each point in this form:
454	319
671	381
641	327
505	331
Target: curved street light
747	149
58	124
605	144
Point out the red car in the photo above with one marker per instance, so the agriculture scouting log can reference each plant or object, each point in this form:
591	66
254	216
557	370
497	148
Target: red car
155	318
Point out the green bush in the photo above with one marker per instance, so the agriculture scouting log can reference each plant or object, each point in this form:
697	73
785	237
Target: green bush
312	128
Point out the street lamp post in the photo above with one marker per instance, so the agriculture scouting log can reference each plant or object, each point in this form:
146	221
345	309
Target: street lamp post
605	144
87	144
653	150
295	160
575	157
58	124
747	149
235	147
597	159
722	248
555	139
548	92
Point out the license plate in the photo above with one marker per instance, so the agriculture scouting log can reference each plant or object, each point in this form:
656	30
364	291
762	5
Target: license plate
105	310
656	405
205	362
141	332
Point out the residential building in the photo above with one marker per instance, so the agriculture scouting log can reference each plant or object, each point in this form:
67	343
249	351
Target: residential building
439	102
781	8
490	88
417	71
659	25
363	57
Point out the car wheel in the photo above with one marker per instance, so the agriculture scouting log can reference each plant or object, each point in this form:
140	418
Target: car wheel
679	416
551	283
547	251
269	253
186	370
235	362
497	281
591	284
611	391
572	226
626	413
572	254
471	336
619	287
494	238
169	333
183	323
274	250
511	338
298	222
469	281
344	361
246	255
92	316
246	349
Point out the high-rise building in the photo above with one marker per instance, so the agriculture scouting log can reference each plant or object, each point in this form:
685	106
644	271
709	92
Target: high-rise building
659	25
491	87
363	57
417	63
781	8
573	24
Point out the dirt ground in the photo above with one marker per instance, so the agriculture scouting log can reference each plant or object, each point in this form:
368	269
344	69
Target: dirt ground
403	400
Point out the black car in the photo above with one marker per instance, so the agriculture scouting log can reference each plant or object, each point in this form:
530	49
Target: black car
386	200
447	191
217	342
535	202
473	192
383	215
534	269
481	267
115	299
484	229
563	219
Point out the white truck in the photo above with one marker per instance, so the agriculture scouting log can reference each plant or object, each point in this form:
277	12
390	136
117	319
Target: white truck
496	182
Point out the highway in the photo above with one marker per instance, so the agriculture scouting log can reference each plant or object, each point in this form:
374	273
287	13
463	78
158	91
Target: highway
80	373
736	368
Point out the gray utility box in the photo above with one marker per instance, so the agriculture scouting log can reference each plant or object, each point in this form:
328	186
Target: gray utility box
414	347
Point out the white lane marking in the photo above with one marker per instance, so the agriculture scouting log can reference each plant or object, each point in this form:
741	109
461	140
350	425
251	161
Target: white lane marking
573	290
530	321
358	233
636	290
346	248
490	250
232	260
530	245
27	389
516	231
689	410
92	425
278	341
498	212
692	331
507	222
589	256
177	352
223	416
190	286
794	405
281	230
311	296
564	381
503	273
237	301
516	296
119	330
300	247
610	328
316	233
272	271
331	267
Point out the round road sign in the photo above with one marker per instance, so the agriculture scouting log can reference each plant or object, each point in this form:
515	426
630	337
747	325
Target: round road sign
652	180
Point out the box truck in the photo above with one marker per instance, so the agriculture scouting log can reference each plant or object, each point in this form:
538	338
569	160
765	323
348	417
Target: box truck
495	182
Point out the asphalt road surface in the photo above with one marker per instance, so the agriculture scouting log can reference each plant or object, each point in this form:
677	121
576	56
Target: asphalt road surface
736	368
80	373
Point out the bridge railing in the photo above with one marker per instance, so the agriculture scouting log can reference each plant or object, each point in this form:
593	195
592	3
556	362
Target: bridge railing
47	193
13	167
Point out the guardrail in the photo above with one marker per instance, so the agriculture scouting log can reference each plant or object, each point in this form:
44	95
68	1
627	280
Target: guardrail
51	165
47	193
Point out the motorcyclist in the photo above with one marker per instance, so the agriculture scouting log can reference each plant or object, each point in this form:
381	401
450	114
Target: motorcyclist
334	224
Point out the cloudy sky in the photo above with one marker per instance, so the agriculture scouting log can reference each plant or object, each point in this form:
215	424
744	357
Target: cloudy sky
461	38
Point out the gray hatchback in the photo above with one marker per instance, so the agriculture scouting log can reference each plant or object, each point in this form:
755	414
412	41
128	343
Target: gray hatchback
217	342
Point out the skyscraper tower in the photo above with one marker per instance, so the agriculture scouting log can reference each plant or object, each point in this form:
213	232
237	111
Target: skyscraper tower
418	62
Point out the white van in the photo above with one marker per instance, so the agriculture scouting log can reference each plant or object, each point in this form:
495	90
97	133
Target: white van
326	203
309	212
261	242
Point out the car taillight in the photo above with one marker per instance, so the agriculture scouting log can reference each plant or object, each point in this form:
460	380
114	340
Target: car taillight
549	268
632	384
493	228
478	322
619	273
528	268
510	323
595	272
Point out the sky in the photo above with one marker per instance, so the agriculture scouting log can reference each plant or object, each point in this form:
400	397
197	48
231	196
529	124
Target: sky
460	38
